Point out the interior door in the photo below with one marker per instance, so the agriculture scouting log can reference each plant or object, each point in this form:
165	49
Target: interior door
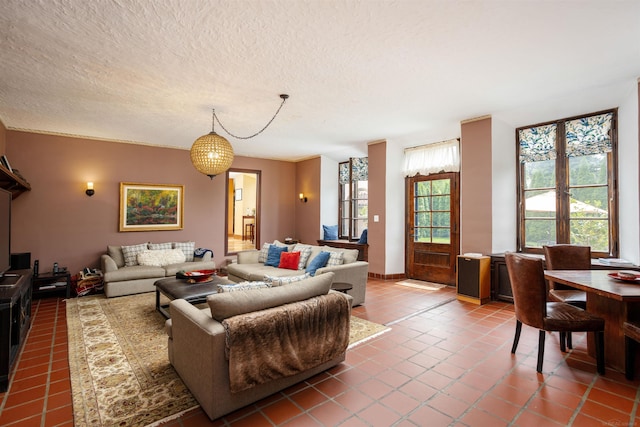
432	234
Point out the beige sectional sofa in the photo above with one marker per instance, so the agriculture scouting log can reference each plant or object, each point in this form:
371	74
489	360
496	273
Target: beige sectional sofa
250	266
134	269
203	345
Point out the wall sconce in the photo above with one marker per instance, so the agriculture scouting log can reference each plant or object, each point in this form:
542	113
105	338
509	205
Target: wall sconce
90	191
302	198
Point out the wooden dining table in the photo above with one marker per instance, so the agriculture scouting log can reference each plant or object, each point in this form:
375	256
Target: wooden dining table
616	301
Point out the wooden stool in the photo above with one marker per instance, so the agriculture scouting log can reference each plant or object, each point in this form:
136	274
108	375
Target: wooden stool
249	233
631	337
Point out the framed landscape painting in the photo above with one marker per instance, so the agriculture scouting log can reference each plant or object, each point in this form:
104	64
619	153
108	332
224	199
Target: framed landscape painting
149	207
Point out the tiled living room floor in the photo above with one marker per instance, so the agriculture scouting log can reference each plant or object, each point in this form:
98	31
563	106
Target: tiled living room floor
444	362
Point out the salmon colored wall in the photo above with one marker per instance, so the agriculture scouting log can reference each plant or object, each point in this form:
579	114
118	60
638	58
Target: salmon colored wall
57	222
475	186
307	214
376	234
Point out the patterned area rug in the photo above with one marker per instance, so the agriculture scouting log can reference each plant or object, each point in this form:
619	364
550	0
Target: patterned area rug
120	371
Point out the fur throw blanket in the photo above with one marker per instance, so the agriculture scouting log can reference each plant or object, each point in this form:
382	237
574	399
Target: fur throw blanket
282	341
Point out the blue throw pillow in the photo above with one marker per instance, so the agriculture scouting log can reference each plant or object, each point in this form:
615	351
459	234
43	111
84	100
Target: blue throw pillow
363	237
318	262
330	232
273	256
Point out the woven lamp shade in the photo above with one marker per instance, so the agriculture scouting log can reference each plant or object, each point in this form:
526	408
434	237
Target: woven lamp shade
211	154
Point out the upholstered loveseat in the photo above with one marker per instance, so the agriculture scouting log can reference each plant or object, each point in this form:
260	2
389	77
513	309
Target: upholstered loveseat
134	269
230	354
252	265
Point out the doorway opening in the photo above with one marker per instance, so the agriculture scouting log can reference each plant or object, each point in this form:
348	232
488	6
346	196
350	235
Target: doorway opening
242	219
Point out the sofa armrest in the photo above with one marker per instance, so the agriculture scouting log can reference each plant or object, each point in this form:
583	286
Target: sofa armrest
107	263
248	257
195	332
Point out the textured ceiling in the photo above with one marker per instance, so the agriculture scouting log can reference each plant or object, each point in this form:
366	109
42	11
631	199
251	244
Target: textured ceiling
150	71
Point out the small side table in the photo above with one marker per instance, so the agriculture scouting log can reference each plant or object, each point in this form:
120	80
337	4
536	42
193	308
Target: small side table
342	287
50	284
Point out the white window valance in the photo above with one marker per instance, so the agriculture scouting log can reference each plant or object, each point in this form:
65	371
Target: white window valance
432	158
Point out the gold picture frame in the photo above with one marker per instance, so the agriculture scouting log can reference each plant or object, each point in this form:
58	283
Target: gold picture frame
151	207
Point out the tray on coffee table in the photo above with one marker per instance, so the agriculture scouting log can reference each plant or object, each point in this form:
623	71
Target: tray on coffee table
194	293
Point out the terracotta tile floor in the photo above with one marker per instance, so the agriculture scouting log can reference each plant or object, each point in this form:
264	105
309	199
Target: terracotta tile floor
444	363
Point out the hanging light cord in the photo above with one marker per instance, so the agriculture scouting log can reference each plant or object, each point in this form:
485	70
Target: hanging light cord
215	118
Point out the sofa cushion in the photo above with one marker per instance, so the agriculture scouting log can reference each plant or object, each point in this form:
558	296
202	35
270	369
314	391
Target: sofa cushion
160	246
243	286
283	280
257	271
134	272
348	255
130	253
318	262
273	256
115	252
161	257
229	304
289	260
187	248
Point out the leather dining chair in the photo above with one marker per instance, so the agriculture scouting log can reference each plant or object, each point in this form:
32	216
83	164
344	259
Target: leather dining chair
567	257
532	308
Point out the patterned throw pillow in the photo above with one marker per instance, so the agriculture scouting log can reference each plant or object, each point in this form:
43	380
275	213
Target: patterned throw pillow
336	258
305	253
243	286
262	257
187	248
279	281
130	253
160	246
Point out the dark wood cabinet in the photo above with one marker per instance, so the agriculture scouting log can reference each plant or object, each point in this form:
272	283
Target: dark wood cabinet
500	284
15	319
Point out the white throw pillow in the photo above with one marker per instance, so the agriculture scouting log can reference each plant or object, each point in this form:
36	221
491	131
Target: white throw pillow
161	257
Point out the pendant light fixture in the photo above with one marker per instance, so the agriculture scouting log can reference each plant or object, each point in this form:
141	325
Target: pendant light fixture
212	154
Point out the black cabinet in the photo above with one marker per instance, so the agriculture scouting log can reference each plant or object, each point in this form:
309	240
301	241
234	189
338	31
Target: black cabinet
500	283
473	279
52	284
15	319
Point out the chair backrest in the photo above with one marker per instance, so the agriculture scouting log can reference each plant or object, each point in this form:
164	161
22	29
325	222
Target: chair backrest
566	257
528	287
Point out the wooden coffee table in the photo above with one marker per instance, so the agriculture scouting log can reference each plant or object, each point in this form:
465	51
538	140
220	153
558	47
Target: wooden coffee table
194	293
